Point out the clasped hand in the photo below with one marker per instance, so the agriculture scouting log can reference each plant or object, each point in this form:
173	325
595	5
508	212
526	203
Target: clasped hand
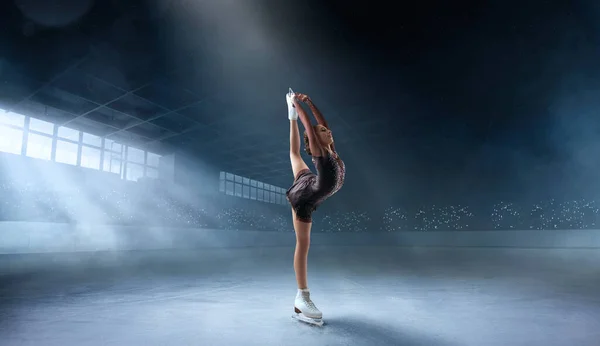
302	97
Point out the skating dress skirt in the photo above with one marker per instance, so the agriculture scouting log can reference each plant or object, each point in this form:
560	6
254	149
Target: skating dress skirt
309	190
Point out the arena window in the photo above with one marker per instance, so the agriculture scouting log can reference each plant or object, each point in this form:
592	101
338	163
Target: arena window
135	155
113	157
152	160
68	134
11	140
66	152
39	139
90	157
39	146
140	163
235	185
91	140
41	127
134	171
12	119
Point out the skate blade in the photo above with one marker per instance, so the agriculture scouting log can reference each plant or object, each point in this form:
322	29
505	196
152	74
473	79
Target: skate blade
314	321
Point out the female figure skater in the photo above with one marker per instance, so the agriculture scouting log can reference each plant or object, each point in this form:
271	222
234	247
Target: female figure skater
309	190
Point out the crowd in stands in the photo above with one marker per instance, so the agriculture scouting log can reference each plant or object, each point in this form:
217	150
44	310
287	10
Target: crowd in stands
136	204
550	214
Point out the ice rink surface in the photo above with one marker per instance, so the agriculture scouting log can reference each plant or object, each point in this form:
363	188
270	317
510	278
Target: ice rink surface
368	296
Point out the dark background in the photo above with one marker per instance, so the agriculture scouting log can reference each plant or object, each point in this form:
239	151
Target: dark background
429	102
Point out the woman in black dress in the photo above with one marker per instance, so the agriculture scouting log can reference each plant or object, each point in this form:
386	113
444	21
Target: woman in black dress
309	190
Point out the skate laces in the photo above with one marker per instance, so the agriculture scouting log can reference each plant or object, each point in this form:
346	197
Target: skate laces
309	302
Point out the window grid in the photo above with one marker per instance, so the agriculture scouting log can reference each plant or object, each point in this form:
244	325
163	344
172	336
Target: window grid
238	186
64	145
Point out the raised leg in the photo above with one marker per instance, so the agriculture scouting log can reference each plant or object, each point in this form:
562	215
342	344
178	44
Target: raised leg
296	160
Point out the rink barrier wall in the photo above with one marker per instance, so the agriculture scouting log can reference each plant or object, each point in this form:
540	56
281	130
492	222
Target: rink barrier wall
32	237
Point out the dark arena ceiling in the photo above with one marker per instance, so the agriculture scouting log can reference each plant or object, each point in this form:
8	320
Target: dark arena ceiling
422	91
163	76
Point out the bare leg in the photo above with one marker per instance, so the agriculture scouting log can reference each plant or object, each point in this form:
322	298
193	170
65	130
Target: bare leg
298	163
302	228
301	254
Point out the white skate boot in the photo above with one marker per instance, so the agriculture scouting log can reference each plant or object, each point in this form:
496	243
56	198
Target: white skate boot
292	112
305	310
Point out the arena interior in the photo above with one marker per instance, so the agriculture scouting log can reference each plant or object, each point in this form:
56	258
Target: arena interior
144	161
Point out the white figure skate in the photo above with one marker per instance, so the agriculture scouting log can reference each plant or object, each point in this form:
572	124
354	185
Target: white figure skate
305	310
292	112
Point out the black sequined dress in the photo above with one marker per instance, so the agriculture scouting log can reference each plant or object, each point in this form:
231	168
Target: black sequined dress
309	190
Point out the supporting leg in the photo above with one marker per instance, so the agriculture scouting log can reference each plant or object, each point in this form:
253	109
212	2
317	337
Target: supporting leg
302	230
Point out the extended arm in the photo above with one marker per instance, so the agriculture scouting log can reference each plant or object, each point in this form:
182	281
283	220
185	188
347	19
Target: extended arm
317	113
315	147
319	116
